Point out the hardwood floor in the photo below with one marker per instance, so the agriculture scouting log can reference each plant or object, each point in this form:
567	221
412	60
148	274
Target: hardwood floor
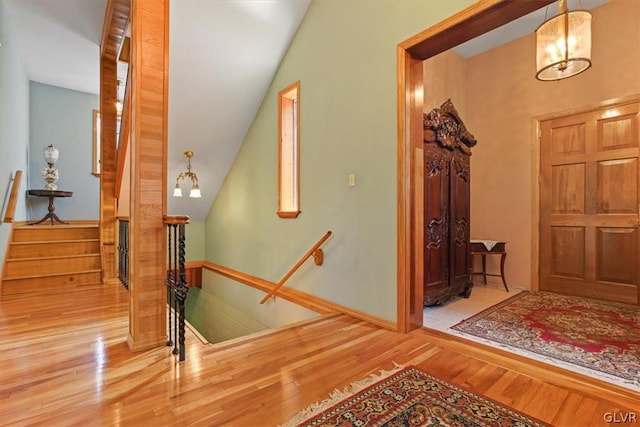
64	361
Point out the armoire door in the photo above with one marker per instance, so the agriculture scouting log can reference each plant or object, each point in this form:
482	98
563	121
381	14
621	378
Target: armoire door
459	197
436	201
589	204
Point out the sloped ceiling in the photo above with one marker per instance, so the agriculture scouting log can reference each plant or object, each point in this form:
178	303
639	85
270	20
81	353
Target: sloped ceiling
223	56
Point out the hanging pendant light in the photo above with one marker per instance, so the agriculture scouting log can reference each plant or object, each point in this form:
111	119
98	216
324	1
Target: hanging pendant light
195	188
563	44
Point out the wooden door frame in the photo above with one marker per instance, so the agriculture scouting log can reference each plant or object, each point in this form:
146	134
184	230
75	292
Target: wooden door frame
536	173
477	19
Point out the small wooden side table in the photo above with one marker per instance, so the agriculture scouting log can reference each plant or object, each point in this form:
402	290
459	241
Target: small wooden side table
499	248
51	194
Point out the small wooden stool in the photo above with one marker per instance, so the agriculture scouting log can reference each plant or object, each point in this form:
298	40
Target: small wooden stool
478	248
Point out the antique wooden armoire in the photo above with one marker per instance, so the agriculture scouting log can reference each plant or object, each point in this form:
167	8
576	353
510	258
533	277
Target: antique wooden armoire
447	253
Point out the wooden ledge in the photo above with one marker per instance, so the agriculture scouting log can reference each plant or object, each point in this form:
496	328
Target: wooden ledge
176	219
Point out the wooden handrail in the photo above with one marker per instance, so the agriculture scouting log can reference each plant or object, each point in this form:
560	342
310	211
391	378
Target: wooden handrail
13	197
295	267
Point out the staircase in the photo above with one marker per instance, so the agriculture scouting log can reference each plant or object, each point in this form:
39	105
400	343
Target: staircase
46	257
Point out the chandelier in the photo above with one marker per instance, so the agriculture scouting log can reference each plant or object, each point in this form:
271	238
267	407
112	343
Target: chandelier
195	188
563	44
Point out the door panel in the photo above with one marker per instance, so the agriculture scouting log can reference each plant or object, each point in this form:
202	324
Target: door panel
609	265
589	201
618	186
567	187
567	246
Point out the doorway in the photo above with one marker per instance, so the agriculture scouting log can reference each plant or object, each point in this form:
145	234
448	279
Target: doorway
477	19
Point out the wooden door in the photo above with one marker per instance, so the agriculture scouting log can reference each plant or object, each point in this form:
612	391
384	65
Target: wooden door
589	204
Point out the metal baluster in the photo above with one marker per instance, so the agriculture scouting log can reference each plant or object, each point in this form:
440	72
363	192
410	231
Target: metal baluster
182	291
126	255
175	284
168	283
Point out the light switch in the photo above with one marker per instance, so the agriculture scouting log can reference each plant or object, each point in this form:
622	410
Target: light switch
352	180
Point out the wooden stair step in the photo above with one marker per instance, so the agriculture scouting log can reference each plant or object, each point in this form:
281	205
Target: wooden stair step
43	283
43	266
45	249
55	233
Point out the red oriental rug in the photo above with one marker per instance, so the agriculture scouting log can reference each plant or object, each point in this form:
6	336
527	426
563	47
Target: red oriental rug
594	337
410	397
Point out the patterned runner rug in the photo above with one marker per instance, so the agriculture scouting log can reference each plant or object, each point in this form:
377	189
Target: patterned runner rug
409	397
594	337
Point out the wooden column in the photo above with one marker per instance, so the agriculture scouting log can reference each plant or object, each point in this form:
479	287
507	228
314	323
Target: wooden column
148	145
115	21
108	120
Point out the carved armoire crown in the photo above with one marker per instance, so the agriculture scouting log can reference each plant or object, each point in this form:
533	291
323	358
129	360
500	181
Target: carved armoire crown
447	252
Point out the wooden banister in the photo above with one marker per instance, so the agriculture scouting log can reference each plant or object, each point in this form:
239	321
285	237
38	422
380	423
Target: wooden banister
176	219
13	197
123	142
293	269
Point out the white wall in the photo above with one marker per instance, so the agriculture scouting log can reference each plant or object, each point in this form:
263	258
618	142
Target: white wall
64	118
14	122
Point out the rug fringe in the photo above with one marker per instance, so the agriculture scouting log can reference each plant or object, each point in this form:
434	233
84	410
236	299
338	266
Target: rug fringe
338	395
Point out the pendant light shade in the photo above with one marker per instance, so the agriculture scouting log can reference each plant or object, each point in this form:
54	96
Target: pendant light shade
195	187
563	44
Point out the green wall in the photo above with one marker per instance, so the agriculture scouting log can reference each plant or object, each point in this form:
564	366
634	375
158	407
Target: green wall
64	118
344	55
194	238
14	123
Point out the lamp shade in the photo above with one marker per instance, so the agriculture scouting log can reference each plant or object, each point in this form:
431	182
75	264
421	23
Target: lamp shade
195	192
51	154
563	45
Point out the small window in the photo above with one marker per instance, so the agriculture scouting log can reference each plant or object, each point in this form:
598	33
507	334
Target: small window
289	151
96	143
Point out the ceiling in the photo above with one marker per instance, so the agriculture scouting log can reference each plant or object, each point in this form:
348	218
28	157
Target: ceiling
223	56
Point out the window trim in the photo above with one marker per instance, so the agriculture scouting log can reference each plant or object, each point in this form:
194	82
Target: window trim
95	165
289	106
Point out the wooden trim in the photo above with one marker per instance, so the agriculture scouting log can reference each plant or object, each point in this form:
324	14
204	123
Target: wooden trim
477	19
284	104
176	219
13	197
473	21
95	169
303	299
194	264
535	205
286	214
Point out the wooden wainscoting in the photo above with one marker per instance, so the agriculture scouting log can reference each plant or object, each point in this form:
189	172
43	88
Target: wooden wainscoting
194	273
